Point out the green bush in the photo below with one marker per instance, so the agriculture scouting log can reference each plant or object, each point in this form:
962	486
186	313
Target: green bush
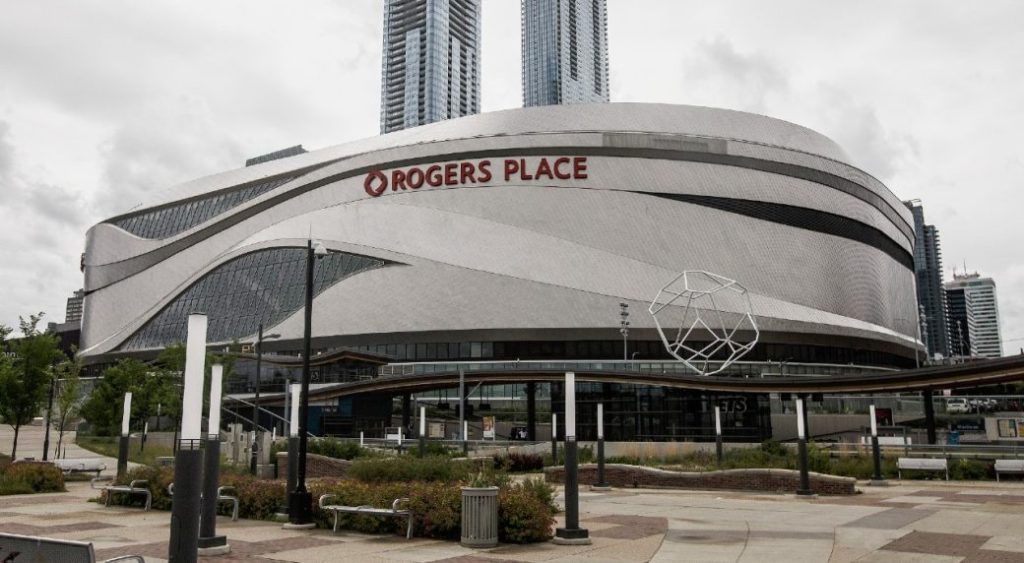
436	506
31	477
971	470
519	462
410	468
525	512
338	449
584	454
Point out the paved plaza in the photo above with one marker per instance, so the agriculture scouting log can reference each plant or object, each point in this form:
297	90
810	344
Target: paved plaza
915	521
910	521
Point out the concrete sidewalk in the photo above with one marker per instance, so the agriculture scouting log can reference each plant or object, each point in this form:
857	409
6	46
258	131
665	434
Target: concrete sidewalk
912	521
30	444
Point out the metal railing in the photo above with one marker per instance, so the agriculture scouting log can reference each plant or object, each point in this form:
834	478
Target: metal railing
747	369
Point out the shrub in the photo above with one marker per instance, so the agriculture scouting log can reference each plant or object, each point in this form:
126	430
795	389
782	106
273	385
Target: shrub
971	469
525	513
31	477
519	462
409	468
338	449
258	499
436	506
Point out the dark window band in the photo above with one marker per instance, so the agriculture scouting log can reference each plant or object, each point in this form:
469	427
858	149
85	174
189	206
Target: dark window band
802	218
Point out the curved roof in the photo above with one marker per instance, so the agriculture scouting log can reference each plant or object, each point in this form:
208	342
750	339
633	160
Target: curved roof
670	119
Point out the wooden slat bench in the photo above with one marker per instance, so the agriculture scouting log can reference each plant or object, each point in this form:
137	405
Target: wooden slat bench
221	497
1009	466
136	487
16	548
369	510
922	464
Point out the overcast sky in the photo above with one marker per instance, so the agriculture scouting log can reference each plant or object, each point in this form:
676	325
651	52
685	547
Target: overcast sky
105	103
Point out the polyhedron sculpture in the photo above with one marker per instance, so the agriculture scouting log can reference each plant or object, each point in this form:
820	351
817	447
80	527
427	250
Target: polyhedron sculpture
714	317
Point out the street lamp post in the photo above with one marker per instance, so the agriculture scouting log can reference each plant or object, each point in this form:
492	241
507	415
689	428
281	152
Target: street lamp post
209	542
423	432
571	534
300	500
801	432
601	483
876	479
624	329
49	415
718	434
122	450
260	337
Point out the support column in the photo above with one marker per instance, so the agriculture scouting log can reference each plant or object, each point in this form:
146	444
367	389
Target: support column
929	415
406	411
531	412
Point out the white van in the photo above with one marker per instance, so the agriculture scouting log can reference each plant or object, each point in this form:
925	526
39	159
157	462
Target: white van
957	405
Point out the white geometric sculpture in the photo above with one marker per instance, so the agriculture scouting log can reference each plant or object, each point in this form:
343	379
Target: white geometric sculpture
712	313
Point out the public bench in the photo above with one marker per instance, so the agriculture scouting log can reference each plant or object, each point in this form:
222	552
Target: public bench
1009	466
69	466
369	510
136	487
221	497
922	464
15	548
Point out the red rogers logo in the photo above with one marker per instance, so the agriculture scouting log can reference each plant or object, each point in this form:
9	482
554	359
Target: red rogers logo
475	172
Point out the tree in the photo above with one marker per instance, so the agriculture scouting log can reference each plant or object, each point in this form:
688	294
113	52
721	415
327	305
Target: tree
68	402
25	374
149	386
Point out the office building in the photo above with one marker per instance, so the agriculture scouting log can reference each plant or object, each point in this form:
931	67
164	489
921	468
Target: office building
986	340
962	329
931	296
73	313
431	62
565	52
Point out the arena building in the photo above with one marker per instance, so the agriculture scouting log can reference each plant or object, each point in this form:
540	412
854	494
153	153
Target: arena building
515	235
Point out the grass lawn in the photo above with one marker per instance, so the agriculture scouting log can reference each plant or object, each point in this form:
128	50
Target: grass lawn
107	446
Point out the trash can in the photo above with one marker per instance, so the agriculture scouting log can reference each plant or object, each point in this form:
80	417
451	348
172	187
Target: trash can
479	516
953	439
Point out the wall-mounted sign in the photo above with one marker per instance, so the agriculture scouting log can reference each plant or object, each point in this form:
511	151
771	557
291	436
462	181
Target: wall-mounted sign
488	426
467	172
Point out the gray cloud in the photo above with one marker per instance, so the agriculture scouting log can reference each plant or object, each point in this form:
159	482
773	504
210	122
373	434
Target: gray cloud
6	158
747	81
159	146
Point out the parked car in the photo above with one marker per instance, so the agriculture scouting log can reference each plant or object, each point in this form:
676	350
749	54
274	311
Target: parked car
957	405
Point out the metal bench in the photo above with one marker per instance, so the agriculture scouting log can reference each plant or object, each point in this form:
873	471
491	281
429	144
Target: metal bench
1009	466
221	497
16	548
136	487
69	466
922	464
369	510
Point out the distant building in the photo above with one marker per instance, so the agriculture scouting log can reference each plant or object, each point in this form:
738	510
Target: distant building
565	52
962	328
431	62
931	296
73	313
985	341
283	153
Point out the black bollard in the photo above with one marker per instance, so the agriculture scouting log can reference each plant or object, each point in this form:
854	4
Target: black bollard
571	534
718	435
601	482
805	480
209	542
122	456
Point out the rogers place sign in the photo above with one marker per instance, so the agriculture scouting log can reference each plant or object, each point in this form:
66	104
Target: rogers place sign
509	170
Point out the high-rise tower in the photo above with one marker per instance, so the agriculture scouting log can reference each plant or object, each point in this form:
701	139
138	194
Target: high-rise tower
931	296
985	340
565	52
431	62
